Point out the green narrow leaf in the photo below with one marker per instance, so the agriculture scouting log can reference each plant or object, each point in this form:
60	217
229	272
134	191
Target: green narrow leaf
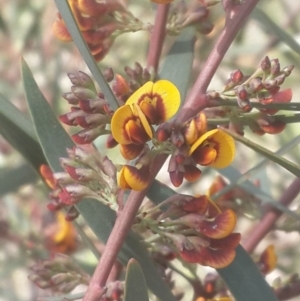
271	27
135	284
12	179
245	281
234	175
177	65
288	165
16	128
54	141
66	13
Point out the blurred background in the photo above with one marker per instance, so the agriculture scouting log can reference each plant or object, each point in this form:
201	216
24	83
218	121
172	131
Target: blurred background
27	229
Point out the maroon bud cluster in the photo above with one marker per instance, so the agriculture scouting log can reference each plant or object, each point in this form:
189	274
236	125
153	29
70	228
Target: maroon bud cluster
86	175
199	230
60	273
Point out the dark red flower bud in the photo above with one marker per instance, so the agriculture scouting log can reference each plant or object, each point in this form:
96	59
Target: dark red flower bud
236	76
265	64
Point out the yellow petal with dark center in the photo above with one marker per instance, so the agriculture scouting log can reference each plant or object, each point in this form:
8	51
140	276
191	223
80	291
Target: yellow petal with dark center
201	139
138	112
122	181
226	149
140	94
168	101
137	179
121	116
222	143
162	95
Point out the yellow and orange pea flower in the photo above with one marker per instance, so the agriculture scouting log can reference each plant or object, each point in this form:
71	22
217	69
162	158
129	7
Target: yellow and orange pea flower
215	148
131	126
153	103
61	236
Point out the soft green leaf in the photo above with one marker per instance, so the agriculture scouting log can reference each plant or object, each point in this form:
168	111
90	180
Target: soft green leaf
245	281
54	141
271	27
16	128
135	284
12	178
288	165
234	175
178	63
74	31
158	192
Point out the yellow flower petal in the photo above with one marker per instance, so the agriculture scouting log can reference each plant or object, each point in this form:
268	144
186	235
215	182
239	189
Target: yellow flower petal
127	121
121	116
137	111
162	95
170	95
133	178
139	94
222	142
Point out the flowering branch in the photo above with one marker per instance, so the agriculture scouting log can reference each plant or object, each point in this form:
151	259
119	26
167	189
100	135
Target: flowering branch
236	16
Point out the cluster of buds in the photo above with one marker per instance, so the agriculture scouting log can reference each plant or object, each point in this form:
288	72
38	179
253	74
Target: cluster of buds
89	109
182	16
86	175
100	22
262	91
59	273
199	230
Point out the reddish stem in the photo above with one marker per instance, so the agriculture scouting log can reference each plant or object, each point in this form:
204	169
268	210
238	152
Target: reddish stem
117	237
125	220
270	217
236	16
157	38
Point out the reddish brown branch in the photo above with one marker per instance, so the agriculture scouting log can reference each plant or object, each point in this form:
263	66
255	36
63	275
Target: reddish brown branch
270	217
236	16
157	38
117	237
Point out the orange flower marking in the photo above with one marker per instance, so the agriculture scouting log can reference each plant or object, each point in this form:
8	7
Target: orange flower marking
159	101
221	226
131	151
215	148
221	252
60	31
268	260
129	125
130	177
47	174
63	238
